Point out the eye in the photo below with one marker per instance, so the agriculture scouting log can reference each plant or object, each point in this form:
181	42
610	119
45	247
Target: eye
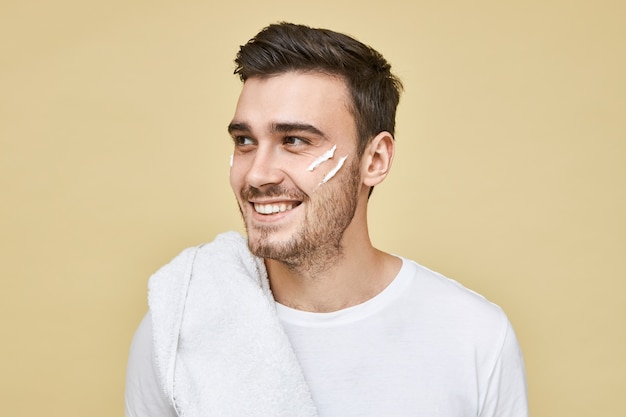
295	141
241	141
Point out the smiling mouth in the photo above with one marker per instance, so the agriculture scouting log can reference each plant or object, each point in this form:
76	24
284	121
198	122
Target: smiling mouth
274	208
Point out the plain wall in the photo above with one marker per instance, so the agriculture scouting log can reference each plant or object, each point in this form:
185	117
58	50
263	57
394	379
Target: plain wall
510	175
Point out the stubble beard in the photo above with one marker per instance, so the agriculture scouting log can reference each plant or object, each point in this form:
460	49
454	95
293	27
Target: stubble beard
317	244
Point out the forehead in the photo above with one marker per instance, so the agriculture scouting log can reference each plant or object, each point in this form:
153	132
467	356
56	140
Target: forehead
315	98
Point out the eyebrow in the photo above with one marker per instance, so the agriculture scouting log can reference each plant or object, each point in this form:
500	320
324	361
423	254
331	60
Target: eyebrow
238	126
295	127
283	127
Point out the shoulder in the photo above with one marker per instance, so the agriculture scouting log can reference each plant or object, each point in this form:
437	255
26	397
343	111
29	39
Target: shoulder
449	293
454	308
173	277
228	243
144	395
475	336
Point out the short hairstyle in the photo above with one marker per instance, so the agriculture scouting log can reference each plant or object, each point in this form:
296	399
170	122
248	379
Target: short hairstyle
285	47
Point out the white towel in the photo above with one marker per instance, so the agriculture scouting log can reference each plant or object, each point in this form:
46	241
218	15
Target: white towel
220	348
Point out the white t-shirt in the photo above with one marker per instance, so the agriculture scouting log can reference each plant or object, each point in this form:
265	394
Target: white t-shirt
425	346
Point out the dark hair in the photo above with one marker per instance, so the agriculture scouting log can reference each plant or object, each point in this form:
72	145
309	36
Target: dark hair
284	47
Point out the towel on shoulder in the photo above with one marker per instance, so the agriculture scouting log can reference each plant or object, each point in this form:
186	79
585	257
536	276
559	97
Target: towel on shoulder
219	346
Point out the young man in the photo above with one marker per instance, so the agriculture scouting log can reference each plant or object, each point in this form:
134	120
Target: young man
305	317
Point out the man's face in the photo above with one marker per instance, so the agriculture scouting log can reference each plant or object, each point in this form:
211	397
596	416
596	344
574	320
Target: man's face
295	171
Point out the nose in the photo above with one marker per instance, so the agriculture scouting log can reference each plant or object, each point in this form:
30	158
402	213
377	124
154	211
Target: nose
265	168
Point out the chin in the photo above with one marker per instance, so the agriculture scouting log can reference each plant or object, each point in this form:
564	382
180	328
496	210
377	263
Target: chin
267	244
266	249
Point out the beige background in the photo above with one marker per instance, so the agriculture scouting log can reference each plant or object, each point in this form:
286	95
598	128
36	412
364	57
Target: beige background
114	157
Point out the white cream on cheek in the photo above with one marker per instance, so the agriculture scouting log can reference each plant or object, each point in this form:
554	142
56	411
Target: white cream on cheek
323	158
335	170
326	156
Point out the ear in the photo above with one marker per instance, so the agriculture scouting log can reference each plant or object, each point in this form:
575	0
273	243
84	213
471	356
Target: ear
377	159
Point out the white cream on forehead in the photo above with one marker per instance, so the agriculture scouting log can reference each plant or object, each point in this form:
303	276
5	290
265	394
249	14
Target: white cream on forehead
322	158
334	170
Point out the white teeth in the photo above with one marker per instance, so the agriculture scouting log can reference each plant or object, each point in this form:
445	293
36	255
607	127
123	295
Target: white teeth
272	208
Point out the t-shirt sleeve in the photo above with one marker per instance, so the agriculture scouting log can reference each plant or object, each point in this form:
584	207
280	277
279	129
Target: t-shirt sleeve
144	396
506	394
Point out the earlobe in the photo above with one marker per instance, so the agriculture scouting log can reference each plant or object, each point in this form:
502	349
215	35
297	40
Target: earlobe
378	158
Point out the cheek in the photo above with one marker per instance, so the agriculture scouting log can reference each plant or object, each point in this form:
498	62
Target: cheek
309	181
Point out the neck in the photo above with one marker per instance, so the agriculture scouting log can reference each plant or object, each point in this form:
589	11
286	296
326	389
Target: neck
354	275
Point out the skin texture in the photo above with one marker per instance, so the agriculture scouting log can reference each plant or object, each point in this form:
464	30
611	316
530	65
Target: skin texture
315	240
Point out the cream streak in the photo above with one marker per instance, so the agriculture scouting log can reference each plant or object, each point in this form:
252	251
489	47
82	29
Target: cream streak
334	170
323	158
